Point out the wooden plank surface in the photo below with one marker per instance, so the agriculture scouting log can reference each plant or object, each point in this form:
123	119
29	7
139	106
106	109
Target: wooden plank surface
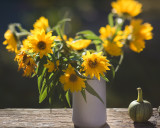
62	118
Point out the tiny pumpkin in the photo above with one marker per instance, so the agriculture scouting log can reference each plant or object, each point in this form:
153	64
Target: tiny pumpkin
140	110
159	110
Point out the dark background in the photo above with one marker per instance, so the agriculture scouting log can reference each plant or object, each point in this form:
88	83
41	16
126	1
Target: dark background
137	70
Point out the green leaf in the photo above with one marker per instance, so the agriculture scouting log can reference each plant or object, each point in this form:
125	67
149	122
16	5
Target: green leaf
48	84
105	78
41	65
40	80
64	23
43	95
33	75
84	94
87	34
61	23
45	87
97	42
68	98
98	45
80	75
59	28
93	92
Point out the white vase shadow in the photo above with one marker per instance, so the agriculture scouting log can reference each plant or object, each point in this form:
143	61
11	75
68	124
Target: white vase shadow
104	126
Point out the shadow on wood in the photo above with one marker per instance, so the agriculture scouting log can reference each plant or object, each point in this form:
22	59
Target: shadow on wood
104	126
144	125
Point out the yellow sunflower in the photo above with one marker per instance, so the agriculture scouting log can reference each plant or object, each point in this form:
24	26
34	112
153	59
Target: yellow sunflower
71	81
78	44
58	38
107	32
41	23
127	8
95	64
112	48
139	33
26	45
41	43
50	65
10	41
26	62
137	45
113	41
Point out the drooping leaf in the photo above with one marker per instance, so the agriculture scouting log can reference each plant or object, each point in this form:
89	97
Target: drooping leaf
49	83
43	95
43	91
45	82
41	65
84	94
46	87
97	42
41	79
61	23
87	34
68	98
80	75
98	45
105	78
64	23
93	92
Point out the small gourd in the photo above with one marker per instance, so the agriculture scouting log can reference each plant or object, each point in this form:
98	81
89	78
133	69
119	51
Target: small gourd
140	110
159	110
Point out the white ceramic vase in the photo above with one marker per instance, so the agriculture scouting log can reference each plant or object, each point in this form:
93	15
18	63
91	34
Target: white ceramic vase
93	113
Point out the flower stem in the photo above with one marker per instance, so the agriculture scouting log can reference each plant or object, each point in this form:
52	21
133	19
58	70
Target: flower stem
120	62
140	97
23	34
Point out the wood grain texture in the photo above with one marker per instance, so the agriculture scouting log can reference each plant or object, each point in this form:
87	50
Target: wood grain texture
62	118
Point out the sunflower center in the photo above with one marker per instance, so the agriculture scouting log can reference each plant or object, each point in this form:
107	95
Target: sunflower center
126	14
29	63
92	64
41	45
73	78
24	58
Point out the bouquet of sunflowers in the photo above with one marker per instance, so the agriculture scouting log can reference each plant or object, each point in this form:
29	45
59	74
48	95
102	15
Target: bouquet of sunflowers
65	64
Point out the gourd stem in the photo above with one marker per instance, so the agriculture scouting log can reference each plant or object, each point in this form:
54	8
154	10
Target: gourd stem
140	97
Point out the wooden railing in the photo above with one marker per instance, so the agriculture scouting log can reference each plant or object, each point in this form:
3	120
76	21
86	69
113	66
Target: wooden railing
62	118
